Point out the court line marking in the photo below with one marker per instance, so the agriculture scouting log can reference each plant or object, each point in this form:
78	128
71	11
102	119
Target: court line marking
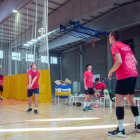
31	113
65	125
26	113
39	111
17	134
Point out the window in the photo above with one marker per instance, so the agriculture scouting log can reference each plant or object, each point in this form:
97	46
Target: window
29	57
1	54
16	56
53	60
44	59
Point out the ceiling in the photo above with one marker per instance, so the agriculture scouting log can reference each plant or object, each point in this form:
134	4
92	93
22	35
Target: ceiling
53	5
1	1
5	27
96	14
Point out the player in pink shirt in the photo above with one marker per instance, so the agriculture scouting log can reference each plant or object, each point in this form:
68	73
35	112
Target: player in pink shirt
1	83
98	91
126	72
33	86
88	85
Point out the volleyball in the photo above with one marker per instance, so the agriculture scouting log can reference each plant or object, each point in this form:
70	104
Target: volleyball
41	31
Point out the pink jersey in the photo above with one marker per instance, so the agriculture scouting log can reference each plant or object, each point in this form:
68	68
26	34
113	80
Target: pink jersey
128	67
1	81
34	74
89	79
100	86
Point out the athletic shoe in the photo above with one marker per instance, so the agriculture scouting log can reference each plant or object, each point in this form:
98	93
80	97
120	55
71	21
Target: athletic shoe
137	128
29	110
89	108
96	106
117	133
35	112
85	109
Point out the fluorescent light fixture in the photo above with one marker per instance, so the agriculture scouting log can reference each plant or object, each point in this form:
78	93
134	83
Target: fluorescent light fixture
39	37
49	33
26	45
52	31
15	11
29	42
33	40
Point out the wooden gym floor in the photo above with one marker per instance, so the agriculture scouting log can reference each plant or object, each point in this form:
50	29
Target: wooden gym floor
60	122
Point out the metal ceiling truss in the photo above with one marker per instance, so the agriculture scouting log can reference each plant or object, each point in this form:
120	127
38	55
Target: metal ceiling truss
79	31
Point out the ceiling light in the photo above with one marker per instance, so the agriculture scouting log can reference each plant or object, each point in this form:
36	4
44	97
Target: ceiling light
15	11
29	42
33	40
39	37
26	45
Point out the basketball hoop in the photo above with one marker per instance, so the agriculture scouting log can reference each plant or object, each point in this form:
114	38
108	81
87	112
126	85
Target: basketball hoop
93	43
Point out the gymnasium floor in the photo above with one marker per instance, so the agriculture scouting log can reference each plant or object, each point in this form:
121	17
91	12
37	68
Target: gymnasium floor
60	122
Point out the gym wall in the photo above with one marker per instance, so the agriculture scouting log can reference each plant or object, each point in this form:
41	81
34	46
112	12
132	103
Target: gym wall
71	65
97	56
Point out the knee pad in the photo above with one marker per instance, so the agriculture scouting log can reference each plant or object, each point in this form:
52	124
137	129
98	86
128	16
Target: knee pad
120	113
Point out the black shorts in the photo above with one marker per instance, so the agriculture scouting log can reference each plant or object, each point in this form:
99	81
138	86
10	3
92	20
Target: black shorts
1	88
89	91
126	86
30	92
